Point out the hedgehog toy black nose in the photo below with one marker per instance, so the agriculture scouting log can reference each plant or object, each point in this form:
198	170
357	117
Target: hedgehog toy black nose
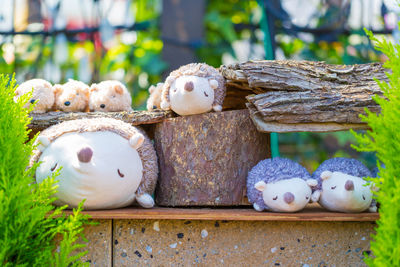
102	106
288	197
349	185
32	101
154	107
189	86
67	103
85	154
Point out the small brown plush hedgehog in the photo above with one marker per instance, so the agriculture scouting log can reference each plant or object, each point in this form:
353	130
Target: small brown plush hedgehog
109	96
106	161
193	89
42	92
72	96
154	100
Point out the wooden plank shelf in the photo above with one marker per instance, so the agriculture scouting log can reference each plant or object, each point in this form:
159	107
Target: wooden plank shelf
311	213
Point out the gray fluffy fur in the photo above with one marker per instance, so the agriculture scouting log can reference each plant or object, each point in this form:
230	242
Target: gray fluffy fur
345	165
375	171
269	171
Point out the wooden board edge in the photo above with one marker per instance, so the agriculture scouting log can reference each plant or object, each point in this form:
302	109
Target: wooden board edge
227	214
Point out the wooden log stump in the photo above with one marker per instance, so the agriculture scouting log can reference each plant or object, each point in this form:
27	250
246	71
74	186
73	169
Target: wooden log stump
204	159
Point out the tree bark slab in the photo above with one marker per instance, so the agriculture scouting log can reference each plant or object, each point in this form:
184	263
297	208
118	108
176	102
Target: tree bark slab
204	159
305	92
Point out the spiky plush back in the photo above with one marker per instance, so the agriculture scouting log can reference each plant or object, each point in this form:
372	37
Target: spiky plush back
348	166
270	171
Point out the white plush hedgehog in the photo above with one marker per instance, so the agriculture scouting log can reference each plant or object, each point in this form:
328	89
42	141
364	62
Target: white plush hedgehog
109	96
42	92
154	100
341	186
105	161
279	184
193	89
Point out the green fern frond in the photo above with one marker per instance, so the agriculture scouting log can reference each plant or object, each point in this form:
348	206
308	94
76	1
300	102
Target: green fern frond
29	222
384	139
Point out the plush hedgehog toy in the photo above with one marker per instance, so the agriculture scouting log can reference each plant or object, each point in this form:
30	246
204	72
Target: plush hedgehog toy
105	161
109	96
193	89
42	91
279	184
72	96
341	186
154	100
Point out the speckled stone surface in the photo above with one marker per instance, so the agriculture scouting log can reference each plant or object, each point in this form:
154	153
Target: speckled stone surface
99	243
239	243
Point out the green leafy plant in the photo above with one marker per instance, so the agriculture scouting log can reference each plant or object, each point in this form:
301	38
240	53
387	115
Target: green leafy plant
384	139
29	222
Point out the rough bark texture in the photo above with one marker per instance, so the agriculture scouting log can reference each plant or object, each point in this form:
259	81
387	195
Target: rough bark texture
204	159
297	92
277	127
42	121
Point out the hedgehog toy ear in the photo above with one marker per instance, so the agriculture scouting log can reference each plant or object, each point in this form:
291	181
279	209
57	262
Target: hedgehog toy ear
151	89
84	90
312	182
136	140
93	88
326	175
260	186
170	80
118	89
57	88
213	83
374	188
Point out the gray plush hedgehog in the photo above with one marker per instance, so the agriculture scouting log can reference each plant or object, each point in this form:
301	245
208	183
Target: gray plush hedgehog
341	186
279	184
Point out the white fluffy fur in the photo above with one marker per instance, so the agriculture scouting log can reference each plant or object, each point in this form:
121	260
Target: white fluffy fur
109	96
75	93
273	194
154	100
335	197
198	101
41	90
97	181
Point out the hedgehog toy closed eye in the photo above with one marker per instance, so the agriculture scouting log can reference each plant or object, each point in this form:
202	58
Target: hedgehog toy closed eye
341	186
193	89
72	96
109	96
154	100
105	161
279	185
42	94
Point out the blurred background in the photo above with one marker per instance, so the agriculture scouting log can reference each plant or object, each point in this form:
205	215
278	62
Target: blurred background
140	41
